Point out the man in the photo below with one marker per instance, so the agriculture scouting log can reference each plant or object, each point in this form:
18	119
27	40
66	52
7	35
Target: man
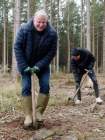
35	46
82	60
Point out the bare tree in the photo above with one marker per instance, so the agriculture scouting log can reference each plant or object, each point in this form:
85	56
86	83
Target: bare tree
93	29
46	5
68	39
16	26
31	8
5	37
81	41
88	24
104	40
57	62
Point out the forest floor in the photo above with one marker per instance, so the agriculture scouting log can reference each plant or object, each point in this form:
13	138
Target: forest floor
62	121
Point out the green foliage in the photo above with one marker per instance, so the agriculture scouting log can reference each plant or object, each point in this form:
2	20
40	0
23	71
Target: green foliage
97	10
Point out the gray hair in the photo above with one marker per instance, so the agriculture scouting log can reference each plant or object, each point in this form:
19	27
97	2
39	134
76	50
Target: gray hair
41	13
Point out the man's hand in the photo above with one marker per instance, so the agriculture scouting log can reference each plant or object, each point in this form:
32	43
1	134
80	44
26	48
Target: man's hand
90	66
88	70
35	69
32	70
28	69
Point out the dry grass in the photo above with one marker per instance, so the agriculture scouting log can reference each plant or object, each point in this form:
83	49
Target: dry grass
10	92
9	96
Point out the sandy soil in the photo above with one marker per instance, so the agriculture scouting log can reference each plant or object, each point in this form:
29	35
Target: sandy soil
65	120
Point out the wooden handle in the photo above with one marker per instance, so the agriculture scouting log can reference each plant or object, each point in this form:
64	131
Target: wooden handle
33	100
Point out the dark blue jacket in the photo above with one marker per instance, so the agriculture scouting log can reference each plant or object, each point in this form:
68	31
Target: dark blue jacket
24	44
86	61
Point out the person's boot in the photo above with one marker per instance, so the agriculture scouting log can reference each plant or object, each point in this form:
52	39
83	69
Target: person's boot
42	102
78	97
78	102
99	100
96	89
27	105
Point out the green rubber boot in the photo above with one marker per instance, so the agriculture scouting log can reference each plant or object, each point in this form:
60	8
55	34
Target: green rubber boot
42	103
27	105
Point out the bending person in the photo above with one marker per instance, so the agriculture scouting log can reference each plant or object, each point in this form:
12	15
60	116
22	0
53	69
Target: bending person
82	59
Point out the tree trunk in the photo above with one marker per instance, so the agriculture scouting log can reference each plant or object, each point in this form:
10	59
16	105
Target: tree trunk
68	40
93	30
31	8
97	51
88	24
104	40
46	5
16	26
57	62
81	41
5	38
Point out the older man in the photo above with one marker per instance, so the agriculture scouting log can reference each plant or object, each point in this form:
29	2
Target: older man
35	46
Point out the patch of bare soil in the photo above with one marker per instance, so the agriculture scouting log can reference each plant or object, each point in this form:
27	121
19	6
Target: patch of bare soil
62	121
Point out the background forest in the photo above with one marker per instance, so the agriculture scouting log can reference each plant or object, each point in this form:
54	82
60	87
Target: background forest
78	23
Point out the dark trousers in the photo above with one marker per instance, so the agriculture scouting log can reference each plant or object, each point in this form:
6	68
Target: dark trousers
78	77
43	78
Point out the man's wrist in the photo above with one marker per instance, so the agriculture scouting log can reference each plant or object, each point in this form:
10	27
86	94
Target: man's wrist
27	69
35	69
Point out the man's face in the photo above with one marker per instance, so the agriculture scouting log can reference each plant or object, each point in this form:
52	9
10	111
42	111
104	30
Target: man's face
40	23
76	58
